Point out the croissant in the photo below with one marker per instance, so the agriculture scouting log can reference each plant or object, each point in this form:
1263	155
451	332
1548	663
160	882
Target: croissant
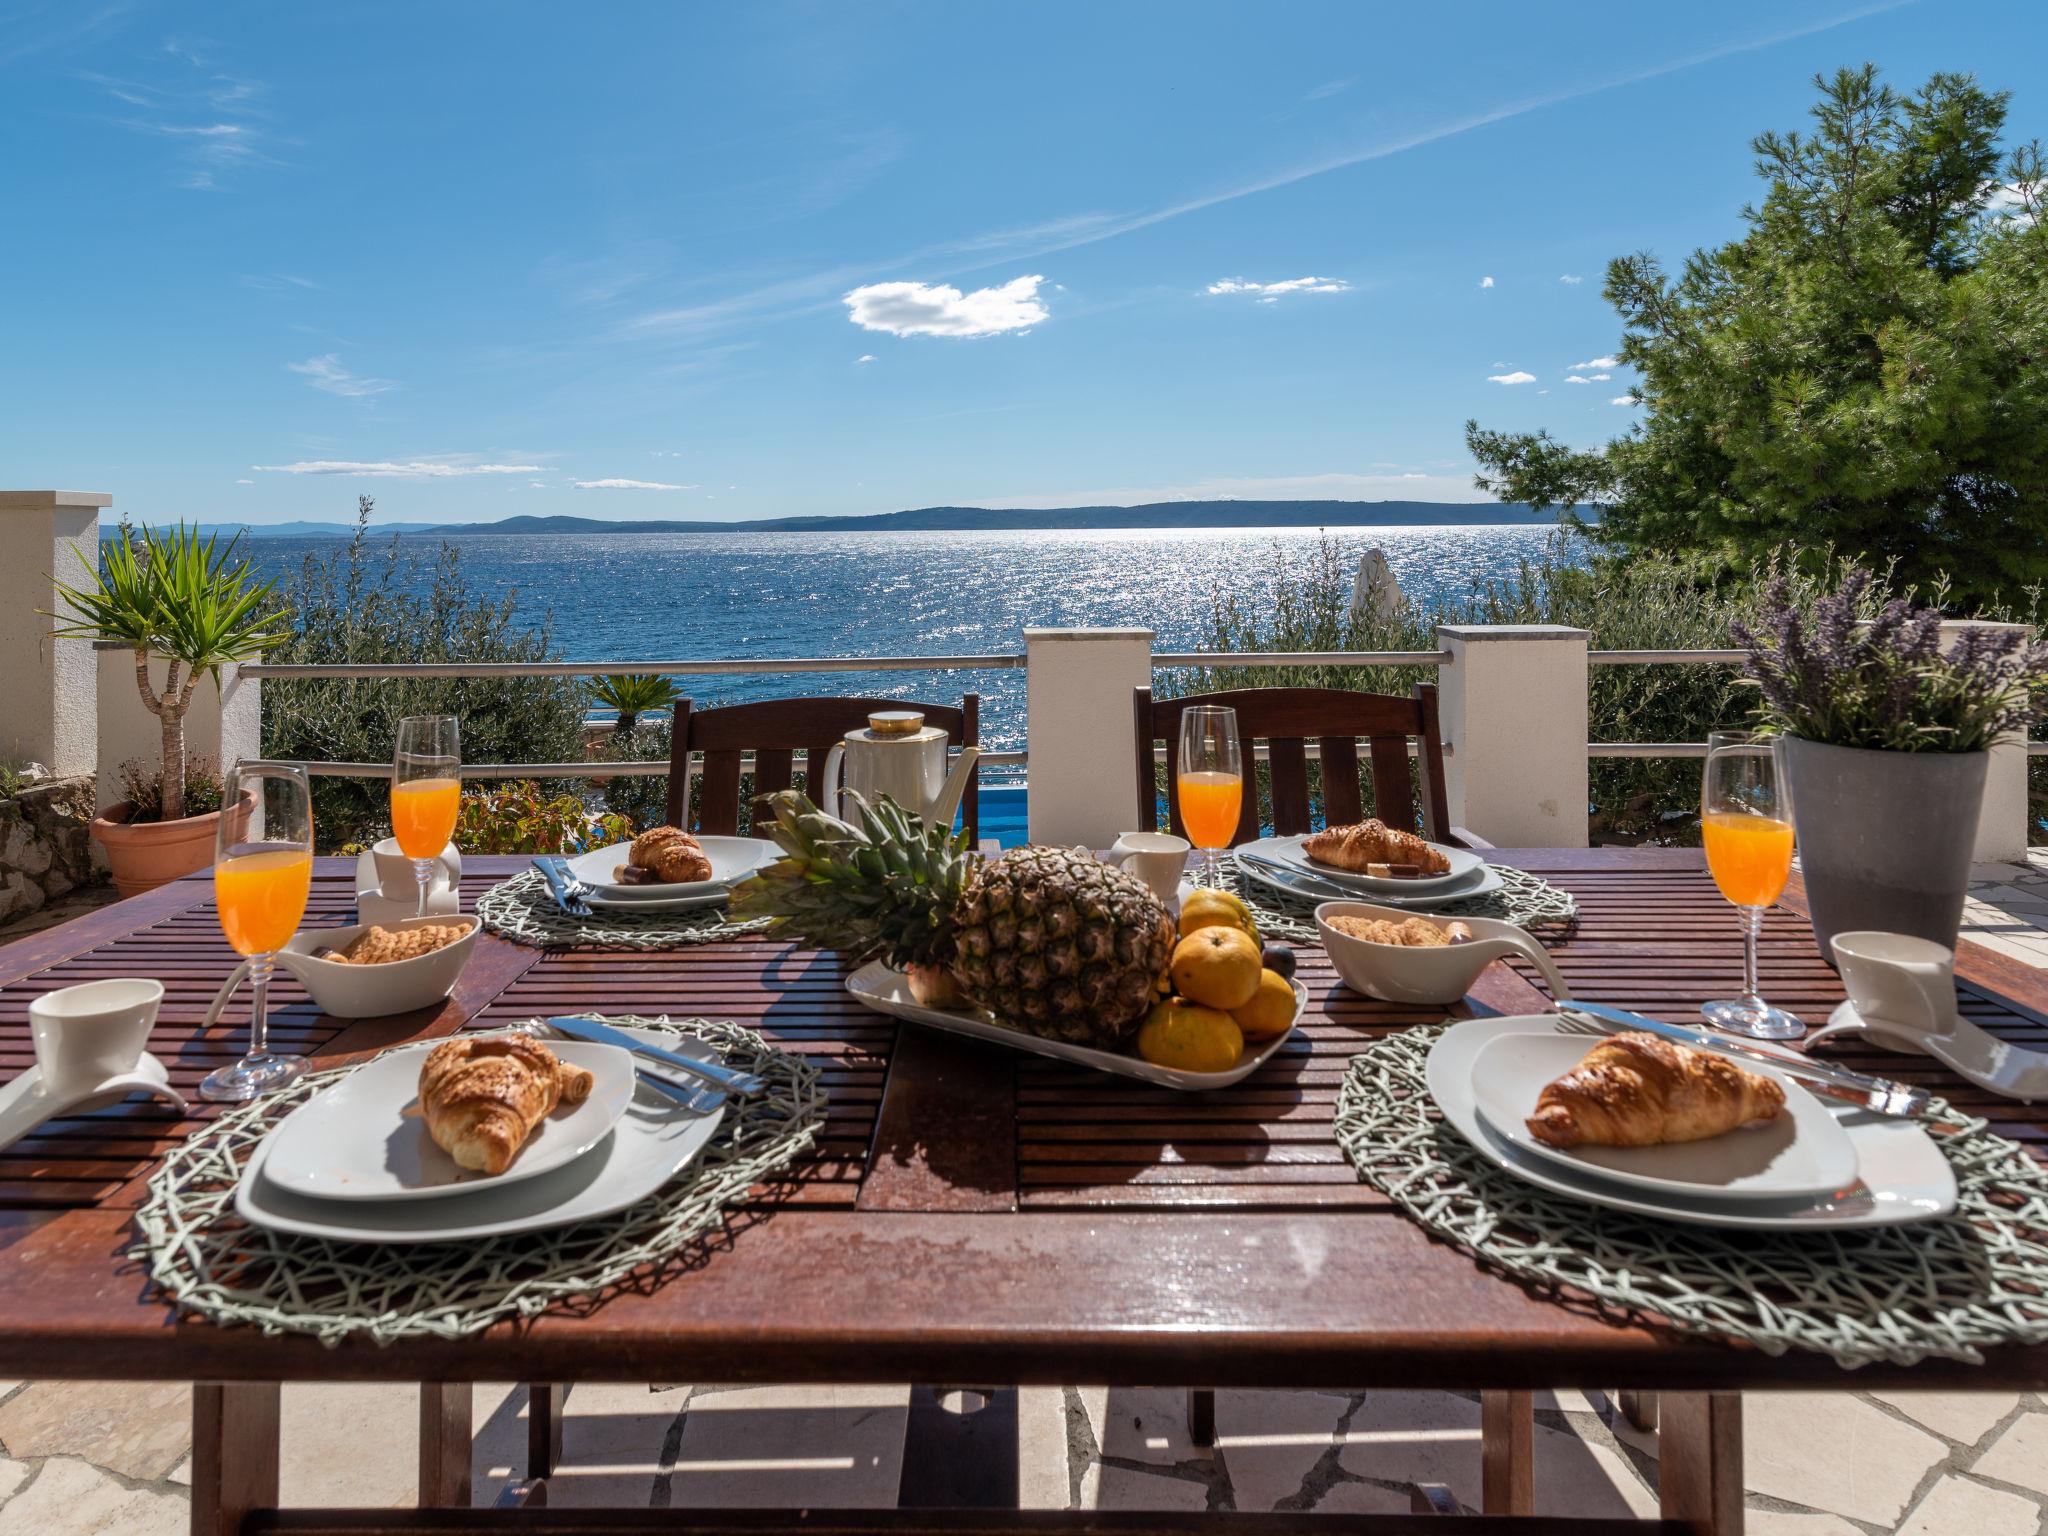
482	1095
671	854
1635	1090
1372	842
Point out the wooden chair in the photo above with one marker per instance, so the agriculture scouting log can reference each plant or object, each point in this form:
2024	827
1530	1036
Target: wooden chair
1287	719
775	730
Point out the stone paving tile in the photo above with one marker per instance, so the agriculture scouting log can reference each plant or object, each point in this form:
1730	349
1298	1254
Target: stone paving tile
1964	1416
1956	1505
617	1445
2020	1455
139	1430
1128	1488
1273	1441
72	1498
349	1443
1141	1423
1771	1522
1349	1498
1830	1452
809	1446
1042	1448
1417	1437
12	1475
1586	1481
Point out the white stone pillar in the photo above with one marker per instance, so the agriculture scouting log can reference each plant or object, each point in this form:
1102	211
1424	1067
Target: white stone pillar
48	694
1082	768
2003	825
222	726
1513	701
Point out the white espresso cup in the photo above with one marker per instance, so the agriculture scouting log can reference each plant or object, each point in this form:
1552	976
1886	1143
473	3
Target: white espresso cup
1157	858
91	1032
1900	985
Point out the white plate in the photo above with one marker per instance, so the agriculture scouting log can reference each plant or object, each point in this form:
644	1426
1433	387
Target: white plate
1287	850
654	1140
1484	882
365	1138
1904	1177
888	991
732	860
1802	1154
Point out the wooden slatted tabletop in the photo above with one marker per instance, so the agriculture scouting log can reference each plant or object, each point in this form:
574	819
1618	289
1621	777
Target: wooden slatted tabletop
970	1212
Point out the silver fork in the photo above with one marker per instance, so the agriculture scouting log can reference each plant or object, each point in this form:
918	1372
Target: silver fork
570	893
699	1097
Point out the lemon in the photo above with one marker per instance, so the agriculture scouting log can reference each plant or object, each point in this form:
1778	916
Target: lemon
1271	1009
1207	907
1189	1037
1217	967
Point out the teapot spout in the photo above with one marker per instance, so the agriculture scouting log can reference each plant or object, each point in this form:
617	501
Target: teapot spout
948	804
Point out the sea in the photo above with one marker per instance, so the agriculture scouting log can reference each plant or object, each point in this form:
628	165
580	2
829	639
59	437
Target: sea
635	597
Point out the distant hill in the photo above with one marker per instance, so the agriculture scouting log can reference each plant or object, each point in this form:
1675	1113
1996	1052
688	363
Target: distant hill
300	530
1158	514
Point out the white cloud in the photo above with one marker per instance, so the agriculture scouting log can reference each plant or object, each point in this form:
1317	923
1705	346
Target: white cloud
276	282
1330	88
536	485
327	373
1595	362
1570	277
935	309
386	469
1623	400
245	482
2006	201
1269	292
628	485
865	357
1517	377
1587	378
1486	282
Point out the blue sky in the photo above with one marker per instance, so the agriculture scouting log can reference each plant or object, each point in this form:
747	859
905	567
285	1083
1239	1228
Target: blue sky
748	260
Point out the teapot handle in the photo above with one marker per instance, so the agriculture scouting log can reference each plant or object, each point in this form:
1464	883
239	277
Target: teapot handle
825	793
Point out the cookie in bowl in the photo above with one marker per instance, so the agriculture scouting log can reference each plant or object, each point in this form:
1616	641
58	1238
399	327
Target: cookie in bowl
372	969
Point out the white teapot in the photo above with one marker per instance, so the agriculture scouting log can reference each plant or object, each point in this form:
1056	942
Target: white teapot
898	755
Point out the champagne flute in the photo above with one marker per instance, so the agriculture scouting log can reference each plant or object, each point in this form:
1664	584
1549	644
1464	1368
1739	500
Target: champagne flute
1209	778
1746	825
262	874
426	792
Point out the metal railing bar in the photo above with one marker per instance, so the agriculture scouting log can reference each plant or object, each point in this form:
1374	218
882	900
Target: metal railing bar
1650	658
645	769
1300	659
1646	749
281	671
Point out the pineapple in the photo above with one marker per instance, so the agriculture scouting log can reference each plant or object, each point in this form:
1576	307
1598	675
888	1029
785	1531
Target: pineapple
1049	940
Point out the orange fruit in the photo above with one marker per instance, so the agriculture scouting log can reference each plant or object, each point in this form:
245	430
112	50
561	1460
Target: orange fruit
1271	1010
1189	1037
1208	907
1217	967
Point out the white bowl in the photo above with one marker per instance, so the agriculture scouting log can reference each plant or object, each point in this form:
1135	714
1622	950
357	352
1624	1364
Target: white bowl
1433	974
370	991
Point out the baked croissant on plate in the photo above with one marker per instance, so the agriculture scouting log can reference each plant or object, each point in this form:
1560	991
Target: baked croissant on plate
1372	842
482	1095
1635	1090
669	855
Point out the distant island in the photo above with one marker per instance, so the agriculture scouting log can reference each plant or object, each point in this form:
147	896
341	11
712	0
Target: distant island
1158	514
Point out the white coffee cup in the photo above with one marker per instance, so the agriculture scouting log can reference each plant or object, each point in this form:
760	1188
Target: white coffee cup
1900	985
387	889
1157	858
89	1033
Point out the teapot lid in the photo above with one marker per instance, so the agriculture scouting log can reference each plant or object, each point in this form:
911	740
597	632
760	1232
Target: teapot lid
895	722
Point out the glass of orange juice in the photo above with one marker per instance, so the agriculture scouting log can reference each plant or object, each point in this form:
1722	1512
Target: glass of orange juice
262	873
426	792
1209	778
1746	825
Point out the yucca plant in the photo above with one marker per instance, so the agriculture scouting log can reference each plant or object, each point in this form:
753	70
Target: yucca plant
633	694
175	594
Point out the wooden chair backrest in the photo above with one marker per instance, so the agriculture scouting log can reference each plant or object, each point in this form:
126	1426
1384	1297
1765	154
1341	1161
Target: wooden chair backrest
775	730
1286	719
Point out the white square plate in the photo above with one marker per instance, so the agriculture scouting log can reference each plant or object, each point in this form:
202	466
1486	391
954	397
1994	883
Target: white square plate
732	860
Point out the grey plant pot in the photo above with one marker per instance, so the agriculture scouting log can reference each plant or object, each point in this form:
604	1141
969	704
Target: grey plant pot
1885	838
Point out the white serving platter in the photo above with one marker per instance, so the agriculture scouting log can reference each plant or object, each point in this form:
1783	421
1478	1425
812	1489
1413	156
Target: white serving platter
732	860
1903	1176
888	991
1288	851
365	1138
1484	882
655	1139
1803	1154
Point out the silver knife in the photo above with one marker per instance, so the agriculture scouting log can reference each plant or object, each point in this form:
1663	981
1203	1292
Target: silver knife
1302	884
745	1084
1879	1094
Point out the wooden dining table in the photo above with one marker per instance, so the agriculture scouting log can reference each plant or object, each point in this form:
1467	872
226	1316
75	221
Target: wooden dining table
968	1214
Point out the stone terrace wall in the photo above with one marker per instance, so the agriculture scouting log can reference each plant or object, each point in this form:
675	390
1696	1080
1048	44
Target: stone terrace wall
45	846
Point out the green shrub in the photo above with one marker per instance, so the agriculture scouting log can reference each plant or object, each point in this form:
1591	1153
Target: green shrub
515	816
356	605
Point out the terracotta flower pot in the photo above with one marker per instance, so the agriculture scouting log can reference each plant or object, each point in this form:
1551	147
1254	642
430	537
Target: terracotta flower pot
145	855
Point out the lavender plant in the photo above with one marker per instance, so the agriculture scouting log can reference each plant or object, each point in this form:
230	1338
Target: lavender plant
1859	674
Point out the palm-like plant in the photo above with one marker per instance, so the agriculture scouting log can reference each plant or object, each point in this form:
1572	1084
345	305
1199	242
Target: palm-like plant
632	694
174	594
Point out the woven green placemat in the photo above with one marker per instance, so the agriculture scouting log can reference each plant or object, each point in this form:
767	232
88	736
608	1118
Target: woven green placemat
1523	899
211	1264
520	909
1949	1289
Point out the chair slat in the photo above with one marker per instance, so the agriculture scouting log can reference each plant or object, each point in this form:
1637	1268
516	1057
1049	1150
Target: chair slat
1393	790
1342	804
718	805
1287	758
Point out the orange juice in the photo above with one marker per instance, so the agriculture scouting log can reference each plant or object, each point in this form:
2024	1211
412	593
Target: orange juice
1209	806
423	815
1751	856
261	897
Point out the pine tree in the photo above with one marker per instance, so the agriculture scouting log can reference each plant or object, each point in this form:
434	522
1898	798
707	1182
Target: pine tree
1867	367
